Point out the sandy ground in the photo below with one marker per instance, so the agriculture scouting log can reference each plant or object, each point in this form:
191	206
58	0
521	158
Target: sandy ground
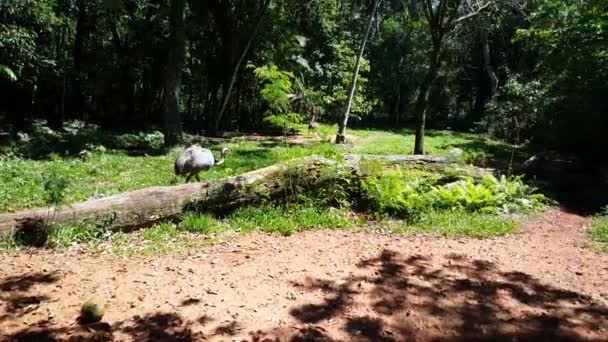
538	285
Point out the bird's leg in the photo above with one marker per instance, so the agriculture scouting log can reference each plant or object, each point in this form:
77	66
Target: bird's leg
188	178
197	178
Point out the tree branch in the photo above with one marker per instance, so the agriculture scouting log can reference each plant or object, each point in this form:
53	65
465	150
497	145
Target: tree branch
474	13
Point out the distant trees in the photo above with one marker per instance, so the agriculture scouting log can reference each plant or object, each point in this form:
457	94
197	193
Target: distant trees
521	70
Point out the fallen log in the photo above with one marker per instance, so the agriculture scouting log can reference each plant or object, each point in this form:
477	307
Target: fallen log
146	206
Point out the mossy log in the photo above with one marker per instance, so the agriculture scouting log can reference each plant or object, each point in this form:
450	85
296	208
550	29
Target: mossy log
146	206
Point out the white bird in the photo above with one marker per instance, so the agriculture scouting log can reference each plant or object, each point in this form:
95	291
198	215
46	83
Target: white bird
196	159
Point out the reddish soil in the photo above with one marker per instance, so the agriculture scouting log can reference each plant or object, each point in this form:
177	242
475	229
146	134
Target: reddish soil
538	285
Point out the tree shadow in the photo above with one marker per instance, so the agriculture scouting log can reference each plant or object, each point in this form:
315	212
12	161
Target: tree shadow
160	326
21	295
15	296
456	299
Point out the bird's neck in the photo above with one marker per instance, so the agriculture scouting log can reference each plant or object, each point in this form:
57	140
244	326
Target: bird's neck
221	161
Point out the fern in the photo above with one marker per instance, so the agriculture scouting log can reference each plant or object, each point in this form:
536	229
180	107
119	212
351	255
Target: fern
411	196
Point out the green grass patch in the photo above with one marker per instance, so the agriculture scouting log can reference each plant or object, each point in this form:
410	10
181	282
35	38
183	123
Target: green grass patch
421	198
101	172
460	223
598	230
288	219
201	223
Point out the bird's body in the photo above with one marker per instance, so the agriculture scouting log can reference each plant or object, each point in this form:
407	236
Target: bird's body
196	159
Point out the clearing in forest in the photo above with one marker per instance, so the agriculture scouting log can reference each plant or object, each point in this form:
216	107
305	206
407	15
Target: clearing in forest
431	258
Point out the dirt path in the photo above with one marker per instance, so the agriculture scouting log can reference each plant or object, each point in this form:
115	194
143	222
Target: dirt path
539	285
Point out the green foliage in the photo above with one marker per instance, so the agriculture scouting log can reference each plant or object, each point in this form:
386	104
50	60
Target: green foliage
336	96
458	223
411	196
276	86
54	188
569	40
515	111
6	71
140	141
106	172
64	236
287	219
80	137
200	223
598	229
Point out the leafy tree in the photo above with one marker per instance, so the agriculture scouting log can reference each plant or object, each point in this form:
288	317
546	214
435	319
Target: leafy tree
569	39
276	87
441	16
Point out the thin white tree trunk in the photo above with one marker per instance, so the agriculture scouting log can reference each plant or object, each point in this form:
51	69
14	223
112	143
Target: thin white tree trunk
341	137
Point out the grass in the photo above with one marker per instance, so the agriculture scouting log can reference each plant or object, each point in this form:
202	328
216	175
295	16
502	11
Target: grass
112	172
288	220
104	173
452	224
598	230
195	230
459	223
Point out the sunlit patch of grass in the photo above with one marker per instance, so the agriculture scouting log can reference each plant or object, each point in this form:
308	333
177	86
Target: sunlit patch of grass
112	172
201	223
598	230
460	223
287	220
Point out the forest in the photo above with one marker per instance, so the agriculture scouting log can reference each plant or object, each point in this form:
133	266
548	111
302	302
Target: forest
521	70
310	170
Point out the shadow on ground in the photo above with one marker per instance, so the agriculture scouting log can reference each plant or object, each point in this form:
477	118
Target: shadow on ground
409	299
392	297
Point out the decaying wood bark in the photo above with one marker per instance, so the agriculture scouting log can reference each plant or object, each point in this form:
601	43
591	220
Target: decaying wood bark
146	206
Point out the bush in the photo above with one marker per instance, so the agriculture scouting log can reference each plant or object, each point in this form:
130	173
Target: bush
140	141
81	138
409	196
598	229
43	140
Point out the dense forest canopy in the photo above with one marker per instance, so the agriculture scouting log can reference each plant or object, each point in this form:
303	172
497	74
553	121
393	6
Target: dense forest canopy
521	70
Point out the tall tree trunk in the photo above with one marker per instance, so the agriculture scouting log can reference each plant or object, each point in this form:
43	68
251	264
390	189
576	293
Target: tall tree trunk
341	136
191	80
177	47
422	103
397	110
235	72
79	42
488	87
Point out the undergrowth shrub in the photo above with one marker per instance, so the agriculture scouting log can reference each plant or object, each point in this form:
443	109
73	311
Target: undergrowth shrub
78	137
598	229
409	196
138	141
43	140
